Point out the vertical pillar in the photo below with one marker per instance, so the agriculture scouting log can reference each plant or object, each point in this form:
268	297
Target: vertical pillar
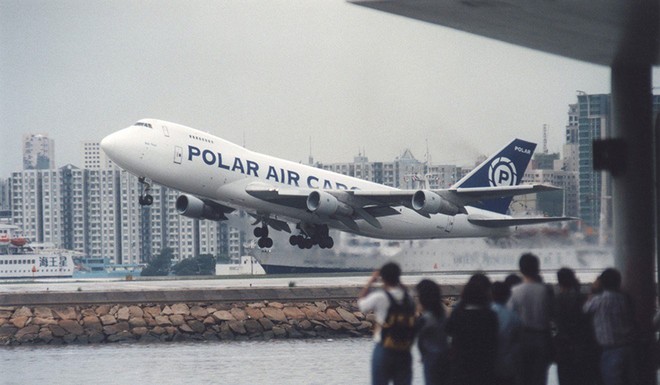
634	198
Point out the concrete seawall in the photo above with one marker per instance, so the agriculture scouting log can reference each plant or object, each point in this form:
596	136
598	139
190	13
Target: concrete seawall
182	315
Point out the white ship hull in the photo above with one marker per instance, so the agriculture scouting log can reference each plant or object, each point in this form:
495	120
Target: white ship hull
31	265
354	253
21	259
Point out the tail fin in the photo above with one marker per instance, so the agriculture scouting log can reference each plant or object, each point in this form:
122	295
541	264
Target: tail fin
505	168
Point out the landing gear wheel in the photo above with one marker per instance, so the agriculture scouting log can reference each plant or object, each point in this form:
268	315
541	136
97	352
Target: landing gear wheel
145	198
265	243
326	243
261	232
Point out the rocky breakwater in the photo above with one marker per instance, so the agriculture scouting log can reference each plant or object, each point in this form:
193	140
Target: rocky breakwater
181	322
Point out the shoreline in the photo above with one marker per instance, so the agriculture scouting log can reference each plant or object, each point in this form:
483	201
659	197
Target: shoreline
86	317
150	322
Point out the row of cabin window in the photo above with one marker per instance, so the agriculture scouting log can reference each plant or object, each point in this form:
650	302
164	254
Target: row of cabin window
16	261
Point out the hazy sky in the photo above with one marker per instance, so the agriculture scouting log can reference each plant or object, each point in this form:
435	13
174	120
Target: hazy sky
272	75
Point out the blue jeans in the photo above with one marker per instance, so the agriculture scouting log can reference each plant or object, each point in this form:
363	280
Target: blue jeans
391	365
436	369
617	366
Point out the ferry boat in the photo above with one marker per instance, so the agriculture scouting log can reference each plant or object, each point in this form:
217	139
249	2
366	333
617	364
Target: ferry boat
21	259
555	248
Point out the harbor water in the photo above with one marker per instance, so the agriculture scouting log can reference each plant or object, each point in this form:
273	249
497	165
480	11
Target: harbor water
282	362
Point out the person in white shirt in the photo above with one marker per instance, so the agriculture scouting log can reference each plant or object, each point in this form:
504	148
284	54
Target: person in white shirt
388	363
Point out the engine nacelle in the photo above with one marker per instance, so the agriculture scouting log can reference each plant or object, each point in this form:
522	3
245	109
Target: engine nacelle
193	207
323	203
428	202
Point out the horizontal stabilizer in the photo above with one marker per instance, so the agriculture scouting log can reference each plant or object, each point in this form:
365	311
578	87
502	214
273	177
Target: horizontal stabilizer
480	193
507	222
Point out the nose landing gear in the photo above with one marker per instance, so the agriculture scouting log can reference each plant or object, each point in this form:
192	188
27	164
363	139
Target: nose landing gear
145	199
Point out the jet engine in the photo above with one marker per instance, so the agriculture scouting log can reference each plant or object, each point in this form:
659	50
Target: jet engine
323	203
193	207
428	202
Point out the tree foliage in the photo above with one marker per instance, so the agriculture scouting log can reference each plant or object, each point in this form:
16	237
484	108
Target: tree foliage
160	265
201	265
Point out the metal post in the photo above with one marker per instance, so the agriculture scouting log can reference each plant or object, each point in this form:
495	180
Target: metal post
634	199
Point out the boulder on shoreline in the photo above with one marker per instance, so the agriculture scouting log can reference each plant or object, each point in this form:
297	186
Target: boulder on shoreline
108	323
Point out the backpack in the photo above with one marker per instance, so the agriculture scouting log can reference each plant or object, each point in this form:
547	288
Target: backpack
398	330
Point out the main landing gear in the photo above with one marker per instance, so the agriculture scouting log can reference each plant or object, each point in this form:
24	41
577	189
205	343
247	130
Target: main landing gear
145	198
264	241
319	237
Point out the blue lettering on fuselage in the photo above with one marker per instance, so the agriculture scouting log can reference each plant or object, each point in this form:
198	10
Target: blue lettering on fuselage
272	174
238	165
250	167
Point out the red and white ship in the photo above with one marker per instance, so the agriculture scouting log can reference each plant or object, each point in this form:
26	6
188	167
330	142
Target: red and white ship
19	259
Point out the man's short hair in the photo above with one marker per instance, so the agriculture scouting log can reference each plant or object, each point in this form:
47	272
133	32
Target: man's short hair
529	265
610	279
390	273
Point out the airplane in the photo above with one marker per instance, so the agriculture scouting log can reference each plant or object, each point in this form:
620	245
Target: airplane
217	177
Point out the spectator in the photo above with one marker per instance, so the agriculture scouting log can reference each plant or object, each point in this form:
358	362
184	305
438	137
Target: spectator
507	362
431	335
532	301
512	280
472	327
391	361
614	328
575	349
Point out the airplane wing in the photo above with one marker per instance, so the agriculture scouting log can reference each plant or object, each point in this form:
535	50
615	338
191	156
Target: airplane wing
360	206
370	205
457	196
506	222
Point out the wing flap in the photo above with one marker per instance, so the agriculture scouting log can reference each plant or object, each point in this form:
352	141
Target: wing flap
507	222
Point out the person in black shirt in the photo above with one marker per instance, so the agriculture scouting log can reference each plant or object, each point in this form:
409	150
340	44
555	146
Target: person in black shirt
472	327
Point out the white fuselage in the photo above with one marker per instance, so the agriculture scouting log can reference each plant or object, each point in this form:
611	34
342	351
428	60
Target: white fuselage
204	165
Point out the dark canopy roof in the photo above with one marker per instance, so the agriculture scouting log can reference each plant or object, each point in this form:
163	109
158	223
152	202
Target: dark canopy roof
603	32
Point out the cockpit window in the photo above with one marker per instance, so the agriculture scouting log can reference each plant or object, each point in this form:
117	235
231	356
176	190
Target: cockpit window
143	124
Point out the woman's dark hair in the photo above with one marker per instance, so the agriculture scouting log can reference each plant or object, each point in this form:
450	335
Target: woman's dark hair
476	291
566	278
501	292
429	294
390	273
512	280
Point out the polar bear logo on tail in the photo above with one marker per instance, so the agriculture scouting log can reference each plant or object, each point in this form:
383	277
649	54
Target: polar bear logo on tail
502	172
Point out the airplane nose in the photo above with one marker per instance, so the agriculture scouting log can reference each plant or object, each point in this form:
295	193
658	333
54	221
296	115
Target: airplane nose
119	147
109	144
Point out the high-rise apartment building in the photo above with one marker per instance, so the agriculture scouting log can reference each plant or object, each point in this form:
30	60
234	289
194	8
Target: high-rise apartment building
93	157
74	192
103	206
594	121
26	203
38	152
591	119
4	194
